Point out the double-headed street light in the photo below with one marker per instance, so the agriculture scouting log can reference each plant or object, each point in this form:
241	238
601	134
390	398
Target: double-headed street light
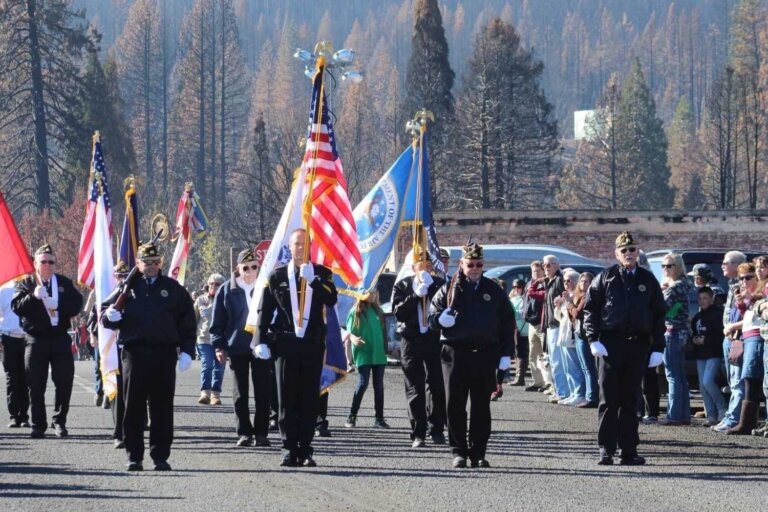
324	53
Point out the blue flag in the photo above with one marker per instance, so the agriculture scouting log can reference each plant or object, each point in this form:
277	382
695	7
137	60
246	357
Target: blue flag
129	238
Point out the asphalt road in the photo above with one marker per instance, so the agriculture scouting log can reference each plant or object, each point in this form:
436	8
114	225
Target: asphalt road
543	456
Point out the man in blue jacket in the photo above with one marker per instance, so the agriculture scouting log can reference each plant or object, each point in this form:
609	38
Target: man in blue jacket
229	339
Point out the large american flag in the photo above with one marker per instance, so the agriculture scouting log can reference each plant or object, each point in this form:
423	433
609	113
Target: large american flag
85	259
334	234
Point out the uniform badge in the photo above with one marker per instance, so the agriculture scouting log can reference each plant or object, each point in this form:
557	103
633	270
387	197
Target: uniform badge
164	294
641	287
487	297
61	289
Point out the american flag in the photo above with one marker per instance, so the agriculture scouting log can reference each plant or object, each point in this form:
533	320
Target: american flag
334	234
85	259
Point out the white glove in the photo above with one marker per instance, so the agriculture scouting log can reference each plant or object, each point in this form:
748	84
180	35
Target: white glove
504	363
185	362
421	289
656	359
262	351
425	278
41	292
113	315
446	319
50	303
307	271
598	349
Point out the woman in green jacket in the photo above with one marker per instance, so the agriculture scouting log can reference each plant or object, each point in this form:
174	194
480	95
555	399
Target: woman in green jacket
365	325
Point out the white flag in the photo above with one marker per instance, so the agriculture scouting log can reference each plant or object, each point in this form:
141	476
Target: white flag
105	283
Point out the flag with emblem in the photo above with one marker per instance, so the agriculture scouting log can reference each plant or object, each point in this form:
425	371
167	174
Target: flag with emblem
129	238
85	258
190	219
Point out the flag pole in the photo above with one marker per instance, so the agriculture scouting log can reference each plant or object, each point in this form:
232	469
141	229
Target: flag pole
307	207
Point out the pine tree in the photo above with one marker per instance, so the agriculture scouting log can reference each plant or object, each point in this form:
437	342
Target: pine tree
428	83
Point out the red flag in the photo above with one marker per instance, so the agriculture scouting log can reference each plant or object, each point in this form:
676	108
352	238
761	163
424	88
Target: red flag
15	260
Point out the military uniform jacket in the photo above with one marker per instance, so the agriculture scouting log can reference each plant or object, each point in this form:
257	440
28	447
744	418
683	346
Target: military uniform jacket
275	316
618	310
31	311
155	315
405	307
484	319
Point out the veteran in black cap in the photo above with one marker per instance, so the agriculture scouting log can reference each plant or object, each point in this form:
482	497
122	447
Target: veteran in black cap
157	327
420	351
477	323
230	340
45	302
624	321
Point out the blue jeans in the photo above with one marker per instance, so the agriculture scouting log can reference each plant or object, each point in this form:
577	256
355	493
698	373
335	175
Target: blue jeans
736	384
556	364
714	401
364	373
211	371
765	367
98	385
589	369
679	403
573	372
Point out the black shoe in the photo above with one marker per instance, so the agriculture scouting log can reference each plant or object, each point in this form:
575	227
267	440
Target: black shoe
61	430
323	432
106	404
438	438
134	465
98	399
245	441
459	462
309	462
605	460
273	426
288	461
37	434
25	424
161	465
417	442
632	460
14	424
480	463
118	443
380	423
261	441
532	387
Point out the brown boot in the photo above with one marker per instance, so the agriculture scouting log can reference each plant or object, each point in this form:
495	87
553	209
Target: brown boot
215	398
747	421
521	366
205	397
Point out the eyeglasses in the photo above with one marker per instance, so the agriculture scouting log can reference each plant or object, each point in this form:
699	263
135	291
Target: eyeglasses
625	250
547	265
748	277
667	265
567	281
151	262
47	262
214	284
479	264
251	267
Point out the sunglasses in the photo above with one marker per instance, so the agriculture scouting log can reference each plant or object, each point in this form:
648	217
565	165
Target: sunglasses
625	250
747	277
475	265
250	267
47	262
667	265
151	262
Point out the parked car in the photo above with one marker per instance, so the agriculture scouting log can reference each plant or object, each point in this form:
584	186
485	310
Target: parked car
496	255
509	273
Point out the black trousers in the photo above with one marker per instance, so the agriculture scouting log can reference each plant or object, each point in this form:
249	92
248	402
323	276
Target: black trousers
298	391
619	376
16	388
424	387
322	411
247	369
38	356
470	375
651	396
149	376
